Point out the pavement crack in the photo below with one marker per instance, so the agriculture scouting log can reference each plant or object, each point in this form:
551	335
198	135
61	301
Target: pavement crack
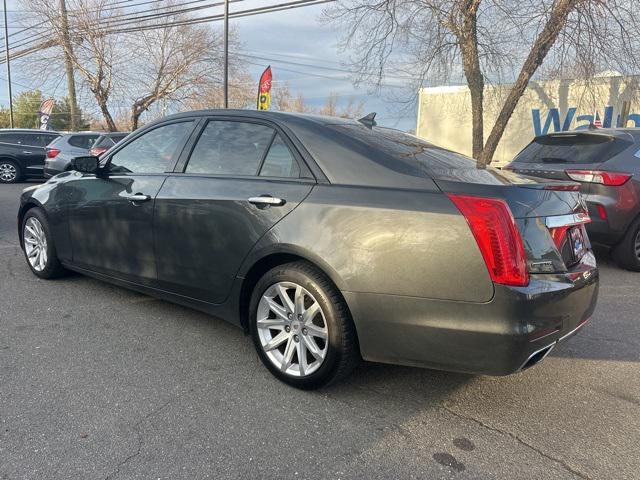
521	441
140	441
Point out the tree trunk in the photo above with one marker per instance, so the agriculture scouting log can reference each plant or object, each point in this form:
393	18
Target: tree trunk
538	52
135	118
111	125
471	64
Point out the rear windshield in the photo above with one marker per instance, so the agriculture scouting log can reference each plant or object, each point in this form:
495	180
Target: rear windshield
116	138
55	141
410	151
104	142
578	148
82	141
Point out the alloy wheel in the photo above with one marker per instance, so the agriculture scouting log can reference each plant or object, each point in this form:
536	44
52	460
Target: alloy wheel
292	329
637	244
8	172
35	244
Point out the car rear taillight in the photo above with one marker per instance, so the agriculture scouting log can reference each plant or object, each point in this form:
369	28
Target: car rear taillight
97	151
610	179
498	237
52	152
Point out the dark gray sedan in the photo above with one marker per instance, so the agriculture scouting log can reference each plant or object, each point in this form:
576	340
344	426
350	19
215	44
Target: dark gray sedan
328	240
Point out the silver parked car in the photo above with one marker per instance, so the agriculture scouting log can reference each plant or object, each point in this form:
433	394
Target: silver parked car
64	148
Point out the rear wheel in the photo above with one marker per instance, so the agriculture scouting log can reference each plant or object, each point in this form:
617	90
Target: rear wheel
9	172
301	326
39	249
627	252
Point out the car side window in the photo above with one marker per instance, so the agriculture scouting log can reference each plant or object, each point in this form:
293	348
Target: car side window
29	139
279	161
39	139
230	148
153	152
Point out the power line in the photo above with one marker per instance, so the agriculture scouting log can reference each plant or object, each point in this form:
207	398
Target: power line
122	28
166	11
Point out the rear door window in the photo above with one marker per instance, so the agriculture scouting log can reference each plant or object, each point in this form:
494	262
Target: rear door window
572	148
38	139
230	148
279	161
82	141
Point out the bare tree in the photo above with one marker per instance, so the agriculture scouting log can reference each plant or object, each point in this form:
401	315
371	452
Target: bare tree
94	53
177	63
165	61
350	110
481	41
285	101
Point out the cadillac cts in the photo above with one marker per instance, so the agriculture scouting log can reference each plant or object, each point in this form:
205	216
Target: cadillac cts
329	240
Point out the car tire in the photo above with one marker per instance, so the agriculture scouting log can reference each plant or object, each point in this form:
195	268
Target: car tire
627	253
37	244
10	172
317	328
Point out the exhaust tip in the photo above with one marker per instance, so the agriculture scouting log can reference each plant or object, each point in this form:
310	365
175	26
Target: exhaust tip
537	357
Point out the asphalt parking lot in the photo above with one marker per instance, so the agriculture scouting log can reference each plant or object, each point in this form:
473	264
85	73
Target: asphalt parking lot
97	382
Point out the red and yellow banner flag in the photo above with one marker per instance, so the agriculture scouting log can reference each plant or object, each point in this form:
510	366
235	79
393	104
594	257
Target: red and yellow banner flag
264	89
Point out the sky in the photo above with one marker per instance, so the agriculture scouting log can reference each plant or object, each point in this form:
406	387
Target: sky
285	40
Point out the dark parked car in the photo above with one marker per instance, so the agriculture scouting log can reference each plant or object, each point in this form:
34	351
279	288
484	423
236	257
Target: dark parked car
327	240
106	141
64	148
22	153
606	162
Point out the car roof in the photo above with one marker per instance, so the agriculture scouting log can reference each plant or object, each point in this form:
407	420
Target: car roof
281	117
27	130
113	134
623	133
82	134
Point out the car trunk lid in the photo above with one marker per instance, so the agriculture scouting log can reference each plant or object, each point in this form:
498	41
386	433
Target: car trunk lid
549	214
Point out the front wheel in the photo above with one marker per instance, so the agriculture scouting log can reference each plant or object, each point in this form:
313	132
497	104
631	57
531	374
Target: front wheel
38	246
627	252
301	326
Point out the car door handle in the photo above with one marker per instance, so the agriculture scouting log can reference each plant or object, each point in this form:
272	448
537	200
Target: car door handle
138	197
267	200
27	152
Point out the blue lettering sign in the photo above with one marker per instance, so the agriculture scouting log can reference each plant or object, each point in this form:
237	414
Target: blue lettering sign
582	121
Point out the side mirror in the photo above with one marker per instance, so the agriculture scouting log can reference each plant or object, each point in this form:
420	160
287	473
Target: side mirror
86	164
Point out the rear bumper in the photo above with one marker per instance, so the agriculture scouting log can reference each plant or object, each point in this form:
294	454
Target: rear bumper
54	166
498	337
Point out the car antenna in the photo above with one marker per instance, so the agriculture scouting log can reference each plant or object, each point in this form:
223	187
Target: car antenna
369	120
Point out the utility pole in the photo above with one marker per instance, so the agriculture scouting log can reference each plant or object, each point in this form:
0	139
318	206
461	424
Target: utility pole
226	53
68	65
6	49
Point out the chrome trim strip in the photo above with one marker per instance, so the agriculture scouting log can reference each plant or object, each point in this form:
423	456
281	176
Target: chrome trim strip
566	220
552	345
567	335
